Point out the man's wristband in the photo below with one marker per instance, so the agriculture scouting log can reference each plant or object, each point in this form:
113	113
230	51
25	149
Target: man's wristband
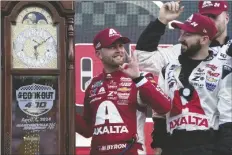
138	79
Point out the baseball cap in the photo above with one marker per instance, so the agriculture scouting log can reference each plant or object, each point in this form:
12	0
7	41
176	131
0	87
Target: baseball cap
107	37
199	24
212	7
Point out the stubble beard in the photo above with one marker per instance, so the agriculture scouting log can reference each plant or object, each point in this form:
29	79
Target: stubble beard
191	50
112	63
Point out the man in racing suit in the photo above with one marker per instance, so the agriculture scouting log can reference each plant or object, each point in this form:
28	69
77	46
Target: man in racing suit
153	60
199	86
115	100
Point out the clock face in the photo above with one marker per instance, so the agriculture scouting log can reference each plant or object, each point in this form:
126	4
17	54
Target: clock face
34	39
35	47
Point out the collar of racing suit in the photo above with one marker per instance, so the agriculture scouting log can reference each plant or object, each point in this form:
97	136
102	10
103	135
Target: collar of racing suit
108	76
215	43
188	65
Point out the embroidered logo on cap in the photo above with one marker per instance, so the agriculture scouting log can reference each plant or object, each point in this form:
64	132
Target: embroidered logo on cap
194	24
216	4
98	45
207	4
190	18
205	31
112	33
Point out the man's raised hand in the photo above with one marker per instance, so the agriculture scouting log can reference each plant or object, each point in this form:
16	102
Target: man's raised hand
170	11
131	68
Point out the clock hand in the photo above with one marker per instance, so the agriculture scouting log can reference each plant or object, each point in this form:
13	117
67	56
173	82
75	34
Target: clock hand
35	41
36	54
43	41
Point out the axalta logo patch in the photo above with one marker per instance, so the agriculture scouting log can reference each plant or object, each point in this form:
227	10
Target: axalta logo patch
187	113
101	91
112	33
190	120
110	129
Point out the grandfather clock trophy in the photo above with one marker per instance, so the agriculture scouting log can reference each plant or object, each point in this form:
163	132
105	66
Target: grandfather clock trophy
37	77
